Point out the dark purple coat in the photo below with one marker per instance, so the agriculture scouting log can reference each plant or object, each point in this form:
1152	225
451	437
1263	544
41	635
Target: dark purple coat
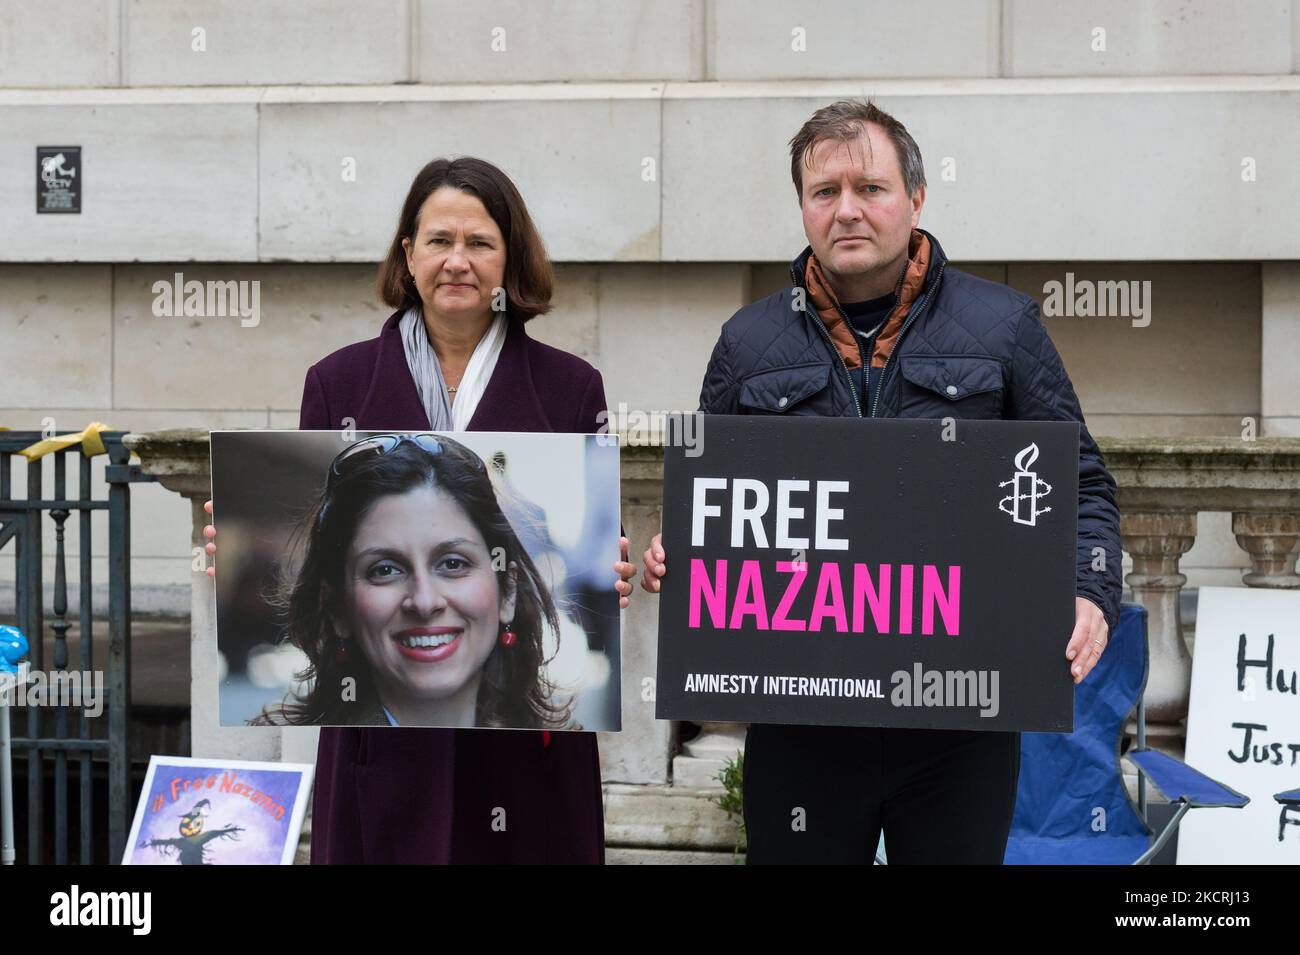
412	795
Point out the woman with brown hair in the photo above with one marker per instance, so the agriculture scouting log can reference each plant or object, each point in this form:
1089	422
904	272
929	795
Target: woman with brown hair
465	270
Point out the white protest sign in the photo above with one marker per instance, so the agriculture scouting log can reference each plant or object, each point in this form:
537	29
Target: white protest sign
1243	725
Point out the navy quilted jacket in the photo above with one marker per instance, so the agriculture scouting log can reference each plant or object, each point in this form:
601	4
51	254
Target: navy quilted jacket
967	349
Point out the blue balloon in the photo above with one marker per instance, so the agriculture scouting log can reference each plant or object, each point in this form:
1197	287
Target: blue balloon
13	647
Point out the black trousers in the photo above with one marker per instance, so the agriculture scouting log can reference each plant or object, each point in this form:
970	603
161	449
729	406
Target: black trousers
821	794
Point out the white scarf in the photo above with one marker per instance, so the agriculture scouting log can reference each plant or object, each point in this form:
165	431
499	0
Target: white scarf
443	413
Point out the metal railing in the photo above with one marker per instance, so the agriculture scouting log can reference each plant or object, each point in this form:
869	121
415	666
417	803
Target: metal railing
63	734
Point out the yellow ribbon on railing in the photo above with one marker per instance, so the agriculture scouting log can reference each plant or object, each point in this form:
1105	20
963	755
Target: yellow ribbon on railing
89	439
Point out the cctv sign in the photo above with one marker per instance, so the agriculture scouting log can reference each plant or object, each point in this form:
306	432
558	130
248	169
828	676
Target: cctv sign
58	179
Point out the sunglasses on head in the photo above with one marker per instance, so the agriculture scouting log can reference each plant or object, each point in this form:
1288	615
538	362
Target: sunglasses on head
382	444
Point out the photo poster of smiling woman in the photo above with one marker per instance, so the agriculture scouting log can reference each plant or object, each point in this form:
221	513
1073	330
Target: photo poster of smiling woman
417	579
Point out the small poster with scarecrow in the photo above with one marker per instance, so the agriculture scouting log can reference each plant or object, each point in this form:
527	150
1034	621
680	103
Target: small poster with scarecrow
219	812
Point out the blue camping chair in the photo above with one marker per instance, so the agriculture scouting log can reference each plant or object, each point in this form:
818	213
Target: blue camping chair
1067	780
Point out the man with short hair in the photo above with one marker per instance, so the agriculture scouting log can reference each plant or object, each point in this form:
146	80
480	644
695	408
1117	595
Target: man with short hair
877	324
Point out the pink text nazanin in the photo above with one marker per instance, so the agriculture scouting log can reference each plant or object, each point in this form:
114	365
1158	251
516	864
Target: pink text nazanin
843	594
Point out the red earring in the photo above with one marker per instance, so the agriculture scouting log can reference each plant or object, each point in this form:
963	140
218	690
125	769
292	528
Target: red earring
508	637
341	653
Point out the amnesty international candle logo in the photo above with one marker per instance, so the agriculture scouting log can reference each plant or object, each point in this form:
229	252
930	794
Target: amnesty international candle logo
847	572
1026	489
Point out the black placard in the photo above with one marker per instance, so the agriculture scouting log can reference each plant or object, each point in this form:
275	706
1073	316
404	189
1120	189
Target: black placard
58	179
965	529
